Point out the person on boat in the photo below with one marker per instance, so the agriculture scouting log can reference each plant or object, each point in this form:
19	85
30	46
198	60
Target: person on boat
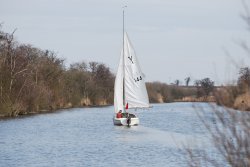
124	115
128	119
119	114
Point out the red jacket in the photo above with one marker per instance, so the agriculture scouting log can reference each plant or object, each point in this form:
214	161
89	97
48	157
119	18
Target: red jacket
119	115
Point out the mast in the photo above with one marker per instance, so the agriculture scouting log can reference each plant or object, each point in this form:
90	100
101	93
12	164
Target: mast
123	25
123	31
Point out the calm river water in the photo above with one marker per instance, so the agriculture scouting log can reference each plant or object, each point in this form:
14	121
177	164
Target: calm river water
87	137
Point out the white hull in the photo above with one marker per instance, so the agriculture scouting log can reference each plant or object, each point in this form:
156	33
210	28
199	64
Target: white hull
123	121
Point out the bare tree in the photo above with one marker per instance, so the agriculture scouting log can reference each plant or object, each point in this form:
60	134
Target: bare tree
177	82
230	135
14	73
231	129
187	80
207	86
244	79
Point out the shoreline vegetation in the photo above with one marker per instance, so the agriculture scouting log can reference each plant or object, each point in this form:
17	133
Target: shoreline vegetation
36	81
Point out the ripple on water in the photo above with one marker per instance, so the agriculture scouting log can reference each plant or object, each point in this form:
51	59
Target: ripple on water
87	137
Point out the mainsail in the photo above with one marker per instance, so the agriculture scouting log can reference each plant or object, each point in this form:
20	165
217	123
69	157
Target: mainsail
118	89
130	86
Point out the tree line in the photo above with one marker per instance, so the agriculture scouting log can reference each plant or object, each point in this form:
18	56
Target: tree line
162	92
236	96
35	80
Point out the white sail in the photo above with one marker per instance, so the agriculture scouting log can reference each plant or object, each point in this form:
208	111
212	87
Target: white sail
136	95
118	88
129	81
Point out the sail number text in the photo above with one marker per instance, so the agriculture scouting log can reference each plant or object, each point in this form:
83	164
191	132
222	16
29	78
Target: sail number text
138	79
131	59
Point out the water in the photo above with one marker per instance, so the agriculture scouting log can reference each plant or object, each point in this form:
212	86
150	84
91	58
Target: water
87	137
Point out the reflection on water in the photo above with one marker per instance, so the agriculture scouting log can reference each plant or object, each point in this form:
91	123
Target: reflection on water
87	137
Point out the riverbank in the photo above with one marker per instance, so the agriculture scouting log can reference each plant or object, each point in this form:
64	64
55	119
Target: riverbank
24	114
233	97
209	99
222	96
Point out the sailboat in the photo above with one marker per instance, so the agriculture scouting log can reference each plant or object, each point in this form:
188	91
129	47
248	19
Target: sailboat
129	90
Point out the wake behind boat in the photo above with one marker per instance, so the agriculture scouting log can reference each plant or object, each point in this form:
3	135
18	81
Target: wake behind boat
129	90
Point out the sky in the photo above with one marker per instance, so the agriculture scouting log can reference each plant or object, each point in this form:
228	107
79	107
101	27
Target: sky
173	39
